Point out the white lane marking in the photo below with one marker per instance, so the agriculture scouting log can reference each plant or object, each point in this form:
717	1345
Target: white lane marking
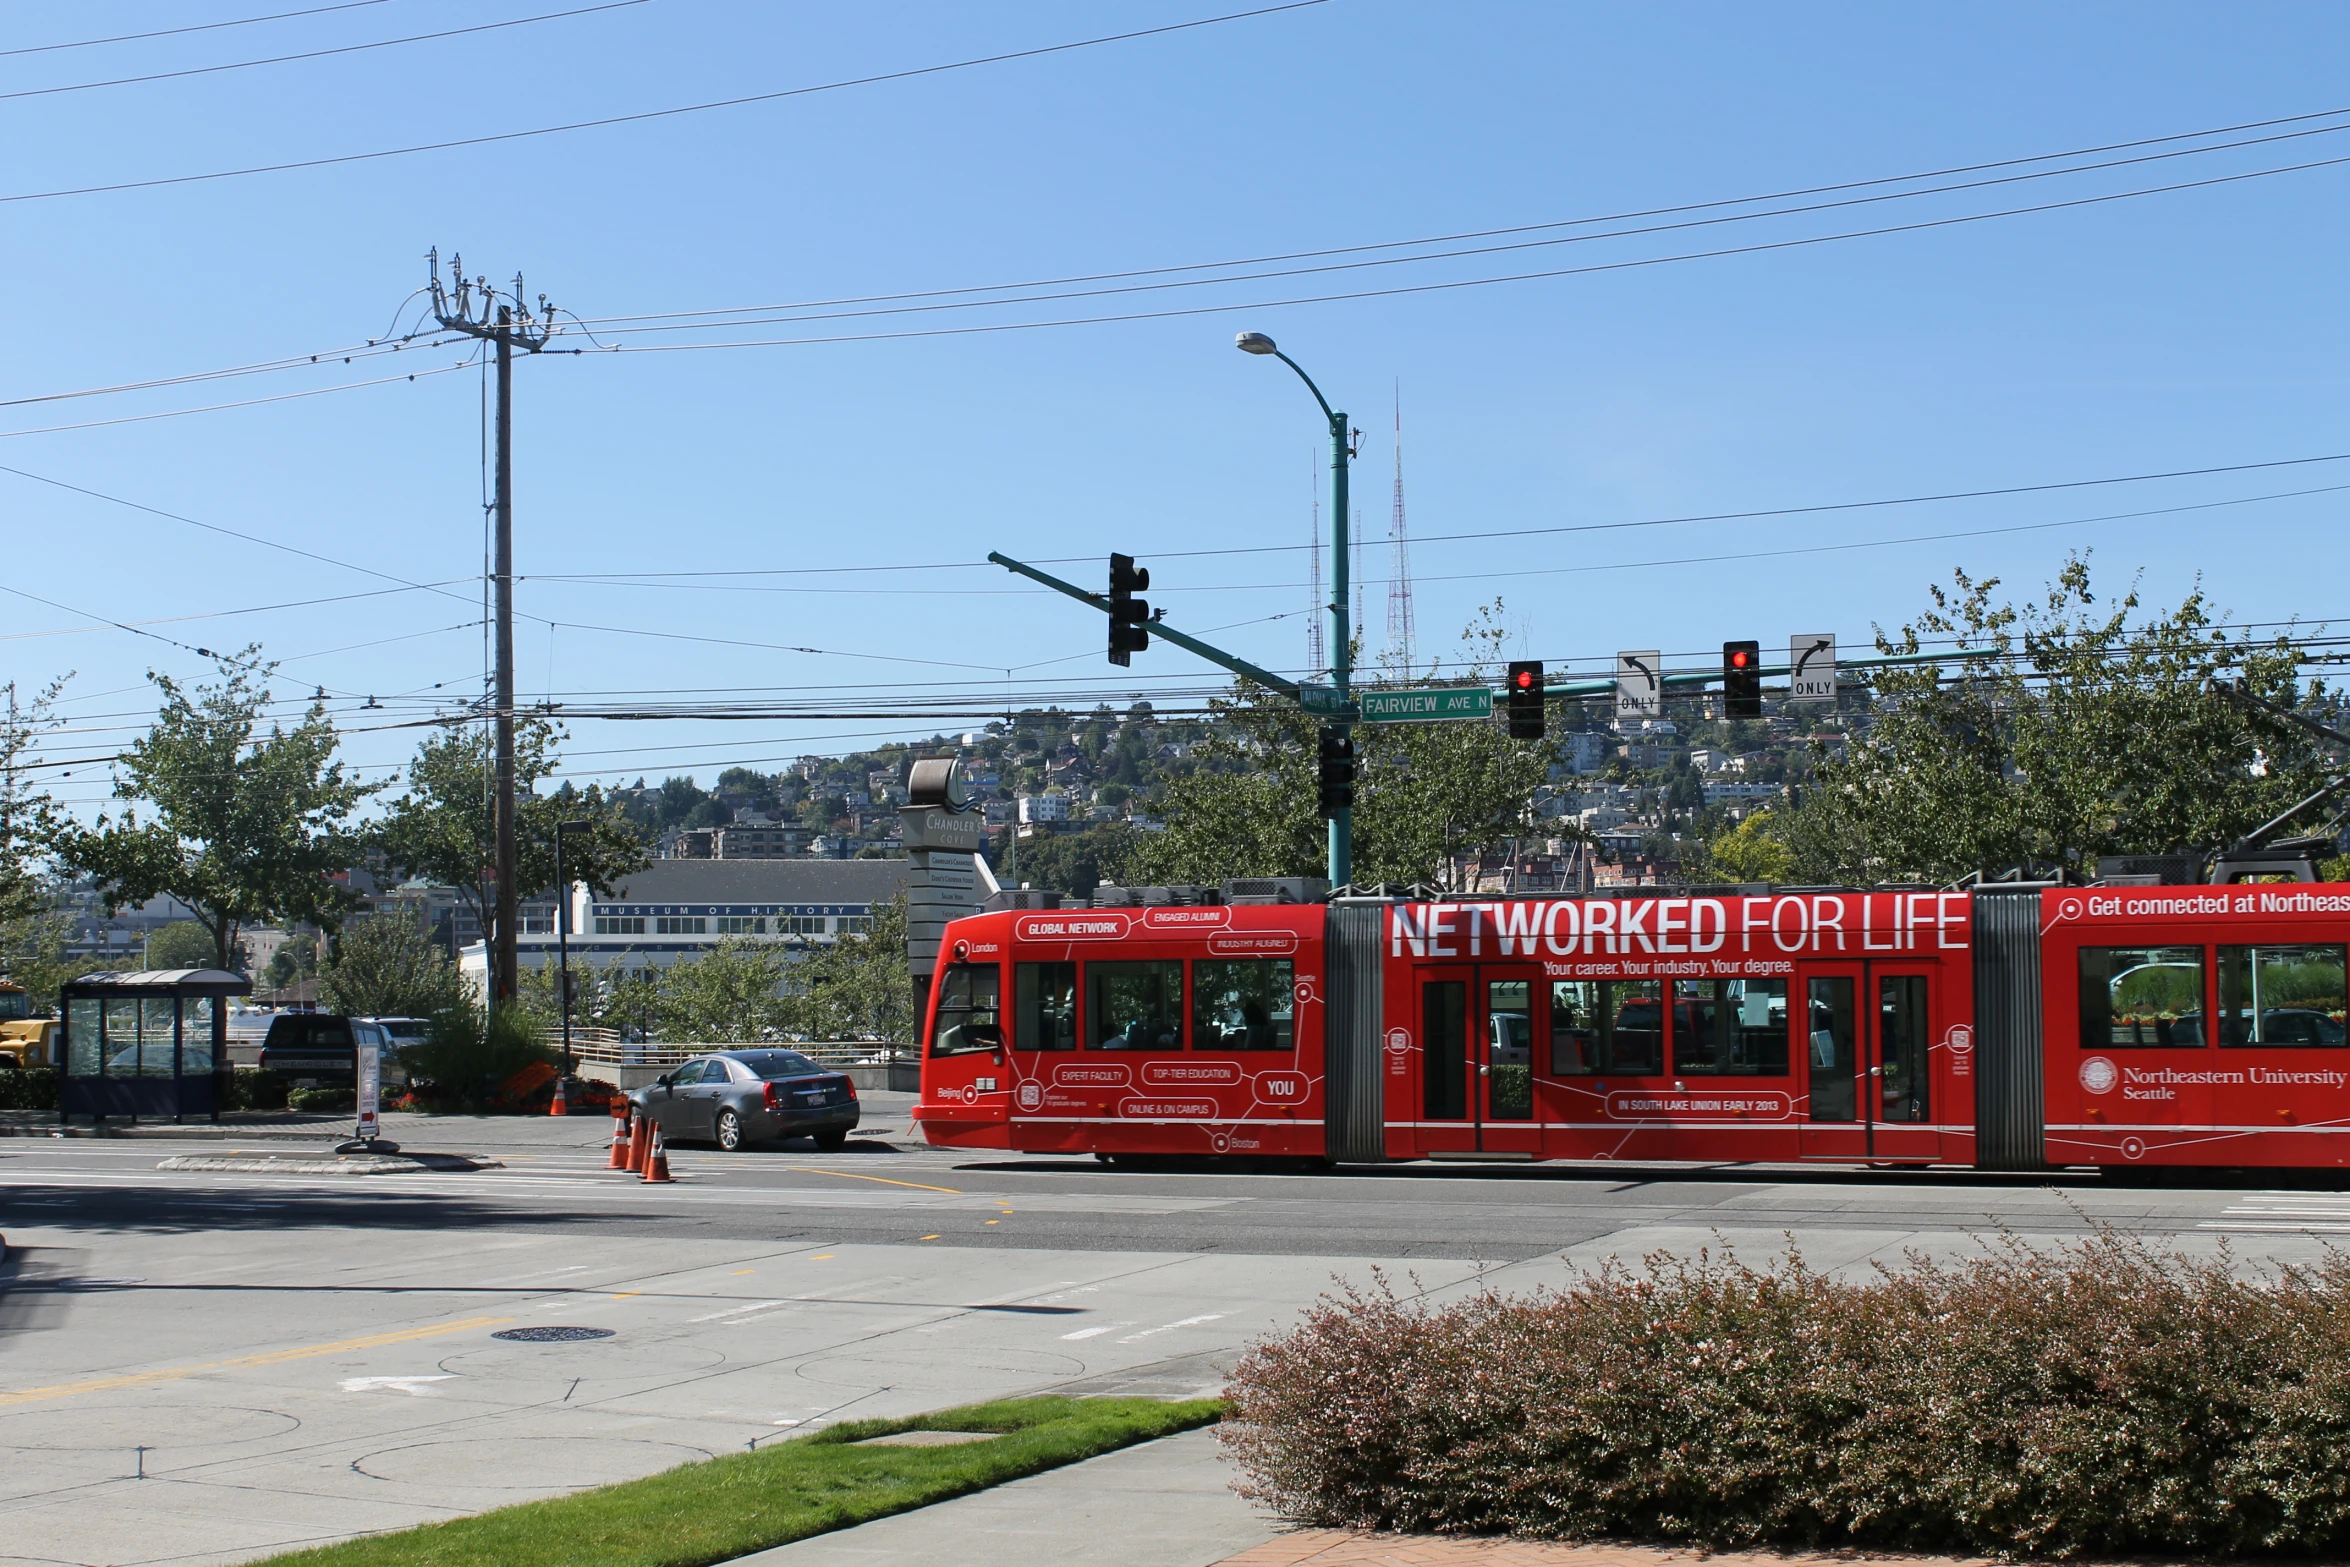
412	1386
1187	1322
738	1311
1070	1338
2290	1229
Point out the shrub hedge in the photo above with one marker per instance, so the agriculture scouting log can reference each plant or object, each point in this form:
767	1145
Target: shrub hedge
2106	1397
28	1088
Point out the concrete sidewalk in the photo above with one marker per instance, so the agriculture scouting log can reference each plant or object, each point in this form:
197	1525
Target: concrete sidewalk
1168	1503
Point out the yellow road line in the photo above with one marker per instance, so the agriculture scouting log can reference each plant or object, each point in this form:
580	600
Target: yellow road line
273	1358
851	1175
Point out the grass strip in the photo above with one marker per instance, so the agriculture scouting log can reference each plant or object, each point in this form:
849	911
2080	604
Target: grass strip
726	1507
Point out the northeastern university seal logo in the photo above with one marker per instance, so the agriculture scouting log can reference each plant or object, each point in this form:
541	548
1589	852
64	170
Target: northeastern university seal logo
2098	1075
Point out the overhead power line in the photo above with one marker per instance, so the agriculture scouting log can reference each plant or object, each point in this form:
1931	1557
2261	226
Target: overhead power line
1634	264
1492	233
656	114
200	27
319	54
248	402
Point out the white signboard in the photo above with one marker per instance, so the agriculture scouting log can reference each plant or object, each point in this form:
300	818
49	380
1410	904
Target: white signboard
1811	664
1640	686
371	1078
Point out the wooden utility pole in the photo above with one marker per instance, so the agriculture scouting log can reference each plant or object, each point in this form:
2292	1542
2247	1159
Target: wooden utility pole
507	324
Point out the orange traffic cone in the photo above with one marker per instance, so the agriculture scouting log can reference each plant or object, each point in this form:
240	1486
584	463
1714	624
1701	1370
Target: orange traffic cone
620	1131
640	1143
657	1162
558	1105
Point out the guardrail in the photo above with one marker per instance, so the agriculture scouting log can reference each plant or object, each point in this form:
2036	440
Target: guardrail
617	1052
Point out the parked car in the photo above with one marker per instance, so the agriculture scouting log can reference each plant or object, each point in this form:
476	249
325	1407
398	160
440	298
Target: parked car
317	1046
734	1097
394	1037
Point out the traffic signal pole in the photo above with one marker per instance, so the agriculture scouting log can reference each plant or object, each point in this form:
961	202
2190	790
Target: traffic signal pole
1158	628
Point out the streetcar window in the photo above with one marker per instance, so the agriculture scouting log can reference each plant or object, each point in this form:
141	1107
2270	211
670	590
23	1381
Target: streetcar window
1730	1027
1044	1006
2283	996
968	995
1902	1046
1602	1026
2142	998
1243	1004
1134	1006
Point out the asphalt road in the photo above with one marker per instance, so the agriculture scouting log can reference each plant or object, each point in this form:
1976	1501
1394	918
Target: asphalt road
290	1358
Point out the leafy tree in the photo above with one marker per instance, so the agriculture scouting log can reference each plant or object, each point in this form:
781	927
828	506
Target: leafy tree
859	987
444	827
1077	862
292	963
33	931
244	827
732	994
1424	793
180	944
2081	728
388	966
1752	852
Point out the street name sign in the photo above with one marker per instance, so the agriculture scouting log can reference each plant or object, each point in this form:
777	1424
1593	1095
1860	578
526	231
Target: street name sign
1319	698
1640	684
1811	665
1436	704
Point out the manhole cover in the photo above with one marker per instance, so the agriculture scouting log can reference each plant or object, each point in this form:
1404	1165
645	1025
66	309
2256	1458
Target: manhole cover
551	1335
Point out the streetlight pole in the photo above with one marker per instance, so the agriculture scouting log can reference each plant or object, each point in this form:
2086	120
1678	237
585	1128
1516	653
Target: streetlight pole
1341	854
563	932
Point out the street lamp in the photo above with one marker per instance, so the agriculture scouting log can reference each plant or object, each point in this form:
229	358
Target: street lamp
1341	855
563	931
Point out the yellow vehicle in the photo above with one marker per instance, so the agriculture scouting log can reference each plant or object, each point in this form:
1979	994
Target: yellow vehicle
25	1040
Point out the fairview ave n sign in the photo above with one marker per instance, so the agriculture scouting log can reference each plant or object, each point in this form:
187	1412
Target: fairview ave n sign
1433	705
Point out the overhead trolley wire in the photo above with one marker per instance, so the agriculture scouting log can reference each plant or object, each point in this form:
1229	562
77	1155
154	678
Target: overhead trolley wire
655	114
200	27
318	54
1400	290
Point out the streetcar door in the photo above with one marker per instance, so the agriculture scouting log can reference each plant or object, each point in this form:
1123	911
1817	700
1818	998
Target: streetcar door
1837	1112
1477	1059
1448	1060
1899	1063
1505	1073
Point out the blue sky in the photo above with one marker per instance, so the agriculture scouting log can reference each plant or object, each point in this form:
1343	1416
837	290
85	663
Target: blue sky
2194	329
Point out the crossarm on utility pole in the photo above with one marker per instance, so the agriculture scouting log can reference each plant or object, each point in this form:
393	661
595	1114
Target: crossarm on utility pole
1158	628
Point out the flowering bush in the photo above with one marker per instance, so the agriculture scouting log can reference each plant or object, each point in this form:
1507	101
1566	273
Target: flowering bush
2106	1398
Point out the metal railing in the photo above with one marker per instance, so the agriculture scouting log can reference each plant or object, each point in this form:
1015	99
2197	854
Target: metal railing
604	1047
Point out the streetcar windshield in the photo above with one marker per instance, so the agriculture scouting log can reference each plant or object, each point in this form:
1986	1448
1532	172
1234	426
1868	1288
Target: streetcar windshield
968	997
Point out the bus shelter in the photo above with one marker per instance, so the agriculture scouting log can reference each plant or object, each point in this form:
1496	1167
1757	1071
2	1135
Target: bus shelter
152	1043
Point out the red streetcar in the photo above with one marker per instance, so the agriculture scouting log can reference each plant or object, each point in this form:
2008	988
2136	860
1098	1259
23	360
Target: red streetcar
2005	1026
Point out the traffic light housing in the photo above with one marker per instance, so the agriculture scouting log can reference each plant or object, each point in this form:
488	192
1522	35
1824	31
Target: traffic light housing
1335	777
1526	699
1742	680
1129	616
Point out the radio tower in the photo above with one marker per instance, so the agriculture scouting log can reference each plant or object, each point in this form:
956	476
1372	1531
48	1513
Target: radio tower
1315	661
1399	583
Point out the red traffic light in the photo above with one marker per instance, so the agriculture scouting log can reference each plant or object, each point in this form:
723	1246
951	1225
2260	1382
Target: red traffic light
1524	679
1740	658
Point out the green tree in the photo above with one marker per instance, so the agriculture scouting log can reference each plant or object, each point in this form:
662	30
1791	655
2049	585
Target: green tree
1075	863
443	827
2079	728
387	965
180	944
732	994
244	827
1752	852
33	930
1424	793
859	987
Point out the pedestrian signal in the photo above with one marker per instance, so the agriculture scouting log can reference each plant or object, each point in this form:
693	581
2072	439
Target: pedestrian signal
1129	616
1742	680
1336	775
1526	699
